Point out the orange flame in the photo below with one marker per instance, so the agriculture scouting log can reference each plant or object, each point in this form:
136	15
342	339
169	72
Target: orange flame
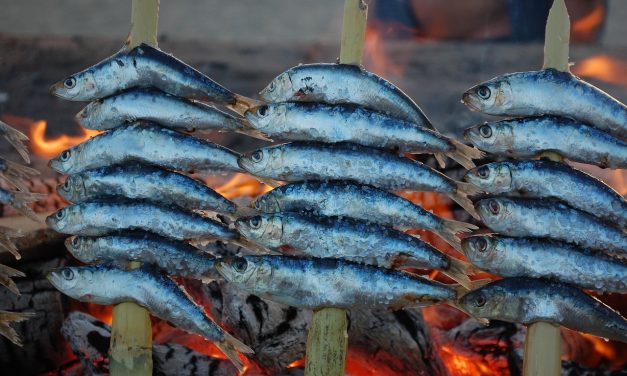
604	68
47	147
375	56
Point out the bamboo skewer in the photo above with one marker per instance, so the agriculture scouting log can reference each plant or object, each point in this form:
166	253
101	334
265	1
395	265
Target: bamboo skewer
130	351
327	339
543	343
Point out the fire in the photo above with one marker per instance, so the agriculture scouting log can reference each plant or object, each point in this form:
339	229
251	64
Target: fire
459	365
242	185
47	147
375	56
603	67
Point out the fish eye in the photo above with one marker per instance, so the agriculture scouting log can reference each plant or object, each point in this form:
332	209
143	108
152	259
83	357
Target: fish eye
483	172
482	244
483	92
254	222
65	155
67	273
262	111
494	207
485	131
257	204
240	265
69	82
257	156
480	301
271	86
75	241
60	214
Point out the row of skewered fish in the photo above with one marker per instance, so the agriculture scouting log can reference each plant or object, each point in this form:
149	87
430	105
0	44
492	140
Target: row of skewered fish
557	228
336	221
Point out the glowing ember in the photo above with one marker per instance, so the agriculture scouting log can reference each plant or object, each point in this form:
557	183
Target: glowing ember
604	68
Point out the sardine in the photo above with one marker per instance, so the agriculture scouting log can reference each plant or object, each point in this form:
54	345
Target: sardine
16	139
156	106
7	318
542	179
528	300
318	283
299	161
350	123
100	218
343	83
149	144
347	199
108	285
529	137
172	257
142	66
550	92
550	219
348	239
18	200
143	182
542	258
15	173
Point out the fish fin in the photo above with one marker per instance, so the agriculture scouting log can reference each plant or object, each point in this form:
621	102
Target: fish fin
5	278
481	320
459	270
15	172
481	282
19	201
461	197
464	154
242	104
6	234
269	182
16	139
232	347
6	318
449	230
441	159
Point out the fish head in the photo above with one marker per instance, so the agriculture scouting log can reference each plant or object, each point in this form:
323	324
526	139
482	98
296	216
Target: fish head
73	188
494	210
260	160
492	97
479	249
75	282
268	117
279	89
66	161
265	229
493	137
81	248
492	177
487	302
92	115
267	203
78	87
65	220
249	271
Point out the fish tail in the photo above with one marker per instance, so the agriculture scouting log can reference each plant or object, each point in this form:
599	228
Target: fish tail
7	318
21	199
5	278
464	154
450	228
242	104
441	158
232	347
459	270
15	172
7	245
244	127
461	197
16	139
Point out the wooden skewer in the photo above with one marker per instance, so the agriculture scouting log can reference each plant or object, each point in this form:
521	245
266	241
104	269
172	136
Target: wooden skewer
543	341
130	351
327	339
